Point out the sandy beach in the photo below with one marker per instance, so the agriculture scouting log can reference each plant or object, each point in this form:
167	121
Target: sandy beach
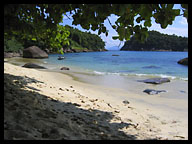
39	104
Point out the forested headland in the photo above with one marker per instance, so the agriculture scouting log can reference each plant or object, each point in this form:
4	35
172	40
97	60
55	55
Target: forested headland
84	41
157	41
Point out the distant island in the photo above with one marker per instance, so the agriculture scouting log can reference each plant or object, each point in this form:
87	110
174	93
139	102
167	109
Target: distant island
157	41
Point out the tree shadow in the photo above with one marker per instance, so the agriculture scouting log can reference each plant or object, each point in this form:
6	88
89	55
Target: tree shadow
31	115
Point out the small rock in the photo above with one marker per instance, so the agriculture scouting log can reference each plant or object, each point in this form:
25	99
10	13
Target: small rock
126	102
61	89
109	105
64	68
117	111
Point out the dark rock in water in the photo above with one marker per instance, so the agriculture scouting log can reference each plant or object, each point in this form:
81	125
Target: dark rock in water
32	65
115	55
60	58
155	80
64	68
183	61
151	67
183	91
152	91
34	52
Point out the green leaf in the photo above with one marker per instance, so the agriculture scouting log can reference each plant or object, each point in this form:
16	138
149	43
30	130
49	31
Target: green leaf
170	6
127	34
99	32
61	51
115	37
114	26
106	34
103	29
177	12
147	23
138	19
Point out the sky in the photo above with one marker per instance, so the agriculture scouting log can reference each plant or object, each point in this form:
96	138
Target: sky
179	28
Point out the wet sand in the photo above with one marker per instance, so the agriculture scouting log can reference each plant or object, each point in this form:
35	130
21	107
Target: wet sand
50	105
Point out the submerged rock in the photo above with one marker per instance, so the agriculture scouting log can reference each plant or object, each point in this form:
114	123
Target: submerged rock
155	80
115	55
32	65
151	67
60	58
183	61
152	91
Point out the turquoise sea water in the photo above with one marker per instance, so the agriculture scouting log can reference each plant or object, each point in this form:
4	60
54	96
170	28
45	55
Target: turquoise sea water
163	64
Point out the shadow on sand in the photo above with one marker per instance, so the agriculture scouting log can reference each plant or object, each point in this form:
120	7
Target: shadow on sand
30	115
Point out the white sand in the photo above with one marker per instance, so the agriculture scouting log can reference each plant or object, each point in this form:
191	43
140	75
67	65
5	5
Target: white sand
58	107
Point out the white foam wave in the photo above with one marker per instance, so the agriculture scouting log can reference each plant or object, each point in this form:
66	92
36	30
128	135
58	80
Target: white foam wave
136	74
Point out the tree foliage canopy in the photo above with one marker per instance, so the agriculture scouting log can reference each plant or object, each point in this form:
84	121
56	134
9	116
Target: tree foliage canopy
35	20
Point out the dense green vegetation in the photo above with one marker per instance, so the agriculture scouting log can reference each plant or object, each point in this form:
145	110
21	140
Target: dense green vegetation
32	21
12	45
66	37
84	40
156	42
47	39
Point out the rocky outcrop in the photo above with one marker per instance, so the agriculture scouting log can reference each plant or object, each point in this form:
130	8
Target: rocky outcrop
155	80
34	52
32	65
72	50
183	61
11	54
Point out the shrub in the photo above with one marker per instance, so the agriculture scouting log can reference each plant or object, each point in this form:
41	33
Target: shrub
12	45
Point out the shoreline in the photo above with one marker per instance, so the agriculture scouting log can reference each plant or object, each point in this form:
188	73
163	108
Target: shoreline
134	120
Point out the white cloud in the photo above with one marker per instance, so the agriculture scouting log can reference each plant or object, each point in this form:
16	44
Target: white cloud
183	21
180	31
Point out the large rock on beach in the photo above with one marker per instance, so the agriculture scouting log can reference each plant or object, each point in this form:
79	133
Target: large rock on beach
32	65
155	80
183	61
152	91
34	52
